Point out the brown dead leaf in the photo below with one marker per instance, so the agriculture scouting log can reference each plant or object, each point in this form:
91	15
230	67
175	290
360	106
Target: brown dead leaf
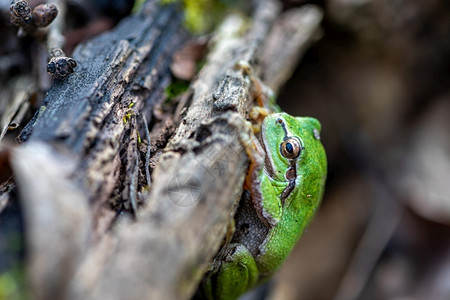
185	60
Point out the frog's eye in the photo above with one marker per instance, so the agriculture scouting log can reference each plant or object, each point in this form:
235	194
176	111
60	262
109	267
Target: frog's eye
291	148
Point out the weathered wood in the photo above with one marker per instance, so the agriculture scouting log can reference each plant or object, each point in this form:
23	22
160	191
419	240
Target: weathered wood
93	112
89	121
93	118
193	190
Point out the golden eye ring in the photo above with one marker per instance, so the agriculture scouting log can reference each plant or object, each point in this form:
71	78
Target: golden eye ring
291	148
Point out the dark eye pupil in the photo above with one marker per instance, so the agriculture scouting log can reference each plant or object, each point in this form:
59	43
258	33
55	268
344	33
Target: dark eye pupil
289	148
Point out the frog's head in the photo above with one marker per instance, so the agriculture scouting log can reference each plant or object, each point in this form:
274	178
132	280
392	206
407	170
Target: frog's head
292	146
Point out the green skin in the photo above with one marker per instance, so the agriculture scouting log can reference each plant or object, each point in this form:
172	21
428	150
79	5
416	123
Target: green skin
285	203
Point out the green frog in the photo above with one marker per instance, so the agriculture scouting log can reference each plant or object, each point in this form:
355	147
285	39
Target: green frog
282	192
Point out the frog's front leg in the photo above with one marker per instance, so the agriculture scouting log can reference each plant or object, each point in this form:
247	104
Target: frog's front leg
237	273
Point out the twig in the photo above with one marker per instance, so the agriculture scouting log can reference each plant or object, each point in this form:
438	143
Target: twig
59	65
55	38
30	21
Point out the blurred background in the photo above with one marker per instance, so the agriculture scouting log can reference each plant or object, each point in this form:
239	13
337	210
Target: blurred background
379	82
